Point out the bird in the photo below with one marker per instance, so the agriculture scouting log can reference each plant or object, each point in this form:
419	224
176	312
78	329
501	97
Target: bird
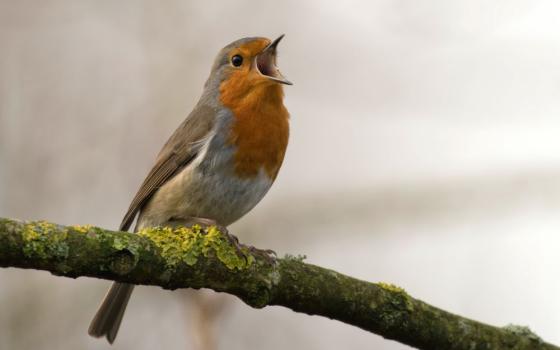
220	161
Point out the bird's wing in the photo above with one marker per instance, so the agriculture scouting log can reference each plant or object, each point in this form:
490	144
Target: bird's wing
181	148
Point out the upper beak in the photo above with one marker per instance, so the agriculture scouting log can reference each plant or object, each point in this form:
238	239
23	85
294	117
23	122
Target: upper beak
266	63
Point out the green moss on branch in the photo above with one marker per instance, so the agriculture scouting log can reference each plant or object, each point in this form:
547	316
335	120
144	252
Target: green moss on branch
204	258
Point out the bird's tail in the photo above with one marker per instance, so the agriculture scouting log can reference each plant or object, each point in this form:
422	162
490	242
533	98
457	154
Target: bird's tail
108	318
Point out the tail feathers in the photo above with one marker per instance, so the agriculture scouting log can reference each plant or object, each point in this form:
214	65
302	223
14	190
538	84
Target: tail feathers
108	318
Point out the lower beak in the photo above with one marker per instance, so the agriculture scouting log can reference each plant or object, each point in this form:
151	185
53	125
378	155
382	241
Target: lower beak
266	63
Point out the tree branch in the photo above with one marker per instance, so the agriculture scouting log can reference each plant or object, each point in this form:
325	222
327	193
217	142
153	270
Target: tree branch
181	257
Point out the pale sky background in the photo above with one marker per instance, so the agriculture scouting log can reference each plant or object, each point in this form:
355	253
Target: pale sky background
424	152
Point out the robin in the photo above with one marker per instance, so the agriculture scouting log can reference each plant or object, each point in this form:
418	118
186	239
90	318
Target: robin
221	160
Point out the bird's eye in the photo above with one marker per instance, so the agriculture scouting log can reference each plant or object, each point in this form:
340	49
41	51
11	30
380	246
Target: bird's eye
237	60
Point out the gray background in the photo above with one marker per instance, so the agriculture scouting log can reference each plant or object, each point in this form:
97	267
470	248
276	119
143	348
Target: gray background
424	152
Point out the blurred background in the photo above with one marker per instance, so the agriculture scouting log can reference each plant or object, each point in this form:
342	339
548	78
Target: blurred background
424	152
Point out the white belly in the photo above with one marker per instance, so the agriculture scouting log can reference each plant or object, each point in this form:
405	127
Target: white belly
214	193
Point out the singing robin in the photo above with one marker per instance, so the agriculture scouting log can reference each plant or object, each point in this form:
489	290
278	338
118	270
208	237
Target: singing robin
220	161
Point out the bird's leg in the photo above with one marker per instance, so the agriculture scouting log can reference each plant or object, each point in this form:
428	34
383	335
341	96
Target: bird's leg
210	222
267	254
191	220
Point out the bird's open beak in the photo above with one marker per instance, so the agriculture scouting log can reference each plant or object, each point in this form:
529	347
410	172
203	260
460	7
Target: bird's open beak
266	63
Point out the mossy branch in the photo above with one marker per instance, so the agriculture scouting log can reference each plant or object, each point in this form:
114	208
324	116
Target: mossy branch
181	257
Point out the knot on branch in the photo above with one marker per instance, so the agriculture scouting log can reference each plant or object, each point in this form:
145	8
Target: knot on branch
123	261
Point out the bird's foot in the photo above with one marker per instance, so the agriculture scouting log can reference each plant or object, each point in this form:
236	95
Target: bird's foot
267	254
232	239
206	223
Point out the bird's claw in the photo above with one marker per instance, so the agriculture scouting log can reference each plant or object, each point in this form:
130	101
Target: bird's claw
241	249
267	254
232	239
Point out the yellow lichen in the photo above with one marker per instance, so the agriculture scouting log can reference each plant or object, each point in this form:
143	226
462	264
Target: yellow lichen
183	244
44	240
391	287
82	228
402	296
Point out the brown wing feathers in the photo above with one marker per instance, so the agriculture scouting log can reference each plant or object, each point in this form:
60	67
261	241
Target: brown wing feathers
181	148
155	179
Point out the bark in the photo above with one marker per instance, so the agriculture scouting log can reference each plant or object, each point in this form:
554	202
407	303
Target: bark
178	257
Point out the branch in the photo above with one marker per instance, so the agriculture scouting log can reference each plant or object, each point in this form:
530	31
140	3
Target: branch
195	258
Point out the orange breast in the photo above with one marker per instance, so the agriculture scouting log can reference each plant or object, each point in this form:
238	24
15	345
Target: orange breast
260	128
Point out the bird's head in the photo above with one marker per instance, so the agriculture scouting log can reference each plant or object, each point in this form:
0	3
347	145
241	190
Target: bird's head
248	66
251	59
